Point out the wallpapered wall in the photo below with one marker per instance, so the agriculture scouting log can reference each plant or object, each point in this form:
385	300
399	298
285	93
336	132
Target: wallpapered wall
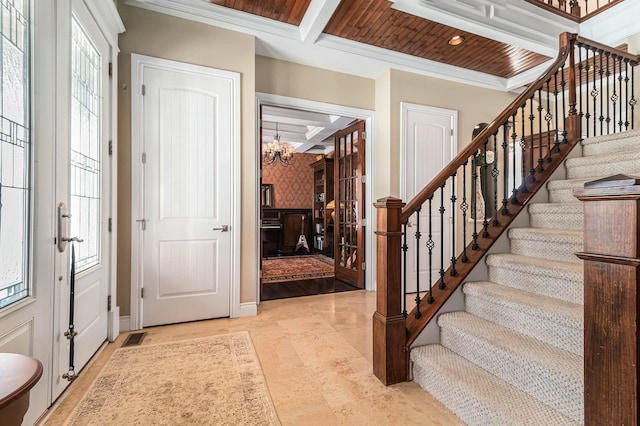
292	185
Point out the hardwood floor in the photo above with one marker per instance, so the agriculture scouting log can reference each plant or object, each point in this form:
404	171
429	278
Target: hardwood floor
274	291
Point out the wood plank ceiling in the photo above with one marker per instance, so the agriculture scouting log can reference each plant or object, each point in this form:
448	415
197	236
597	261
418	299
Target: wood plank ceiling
375	23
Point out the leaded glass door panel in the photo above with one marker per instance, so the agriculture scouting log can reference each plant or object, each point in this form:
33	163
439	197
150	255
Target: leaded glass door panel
349	206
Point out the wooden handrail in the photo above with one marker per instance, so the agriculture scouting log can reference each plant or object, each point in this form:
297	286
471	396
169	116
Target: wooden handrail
633	59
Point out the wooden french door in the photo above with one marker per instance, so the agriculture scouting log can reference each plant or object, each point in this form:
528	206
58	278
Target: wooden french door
350	204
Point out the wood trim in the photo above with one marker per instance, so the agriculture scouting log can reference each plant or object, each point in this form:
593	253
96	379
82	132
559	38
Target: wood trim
609	259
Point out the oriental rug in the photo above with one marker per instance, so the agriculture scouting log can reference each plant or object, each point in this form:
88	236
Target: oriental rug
208	381
295	268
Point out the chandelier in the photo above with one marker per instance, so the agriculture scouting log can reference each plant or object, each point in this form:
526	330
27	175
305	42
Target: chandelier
278	152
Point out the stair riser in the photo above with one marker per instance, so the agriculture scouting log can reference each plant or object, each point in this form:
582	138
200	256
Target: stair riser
549	386
611	147
564	195
569	288
557	221
545	250
631	166
542	328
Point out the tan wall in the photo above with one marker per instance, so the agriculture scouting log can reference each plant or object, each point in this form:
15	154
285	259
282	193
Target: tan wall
474	105
300	81
167	37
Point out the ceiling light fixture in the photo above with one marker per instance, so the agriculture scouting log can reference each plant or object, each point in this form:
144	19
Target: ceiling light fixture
456	40
278	152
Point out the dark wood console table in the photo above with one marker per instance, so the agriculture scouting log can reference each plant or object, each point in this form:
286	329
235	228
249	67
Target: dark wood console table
18	374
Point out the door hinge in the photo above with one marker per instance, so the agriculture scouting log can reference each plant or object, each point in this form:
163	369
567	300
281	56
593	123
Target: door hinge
144	157
363	222
109	303
451	132
110	69
142	293
260	173
364	266
110	225
144	90
110	147
364	178
364	136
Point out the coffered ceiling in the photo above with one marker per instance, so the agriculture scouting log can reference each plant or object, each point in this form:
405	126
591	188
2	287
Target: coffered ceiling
507	43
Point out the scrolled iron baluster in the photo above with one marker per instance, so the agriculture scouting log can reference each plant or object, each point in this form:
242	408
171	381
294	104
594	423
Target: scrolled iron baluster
580	68
505	168
594	95
405	248
464	206
586	101
626	94
453	271
474	201
620	78
442	210
540	142
614	96
483	168
632	101
608	74
430	246
563	83
601	72
514	136
556	137
523	147
494	175
532	164
418	236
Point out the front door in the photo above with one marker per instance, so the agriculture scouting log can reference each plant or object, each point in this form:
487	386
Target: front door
349	169
427	147
187	203
82	188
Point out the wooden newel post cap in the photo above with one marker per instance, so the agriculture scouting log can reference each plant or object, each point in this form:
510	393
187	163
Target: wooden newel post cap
612	186
389	202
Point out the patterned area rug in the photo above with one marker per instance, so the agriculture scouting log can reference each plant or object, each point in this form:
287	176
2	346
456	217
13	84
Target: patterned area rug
209	381
294	268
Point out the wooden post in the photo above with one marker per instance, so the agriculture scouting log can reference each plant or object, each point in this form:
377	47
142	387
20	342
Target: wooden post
390	359
573	120
611	299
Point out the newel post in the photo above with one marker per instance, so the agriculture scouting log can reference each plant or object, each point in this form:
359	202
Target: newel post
611	299
572	124
390	359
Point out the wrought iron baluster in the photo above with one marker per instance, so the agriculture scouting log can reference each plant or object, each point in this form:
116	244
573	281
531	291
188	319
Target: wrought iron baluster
405	248
523	147
483	176
601	72
626	94
620	92
514	136
532	164
442	210
464	206
586	101
540	141
594	95
454	260
474	201
563	83
430	246
632	101
418	236
556	136
505	168
608	74
614	96
580	68
548	117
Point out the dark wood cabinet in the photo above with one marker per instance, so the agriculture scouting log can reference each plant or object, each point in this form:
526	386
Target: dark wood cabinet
322	195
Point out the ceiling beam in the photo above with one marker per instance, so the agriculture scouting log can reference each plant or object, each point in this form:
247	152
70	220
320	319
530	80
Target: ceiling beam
316	19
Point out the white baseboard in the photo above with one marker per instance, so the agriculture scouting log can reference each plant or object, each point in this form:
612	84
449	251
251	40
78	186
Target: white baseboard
125	323
248	309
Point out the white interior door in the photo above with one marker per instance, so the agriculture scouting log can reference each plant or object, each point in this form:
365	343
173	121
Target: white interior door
82	188
428	144
187	194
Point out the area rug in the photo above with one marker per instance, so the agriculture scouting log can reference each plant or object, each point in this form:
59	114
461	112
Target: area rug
294	268
209	381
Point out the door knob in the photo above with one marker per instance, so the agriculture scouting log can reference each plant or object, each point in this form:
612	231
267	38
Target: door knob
223	228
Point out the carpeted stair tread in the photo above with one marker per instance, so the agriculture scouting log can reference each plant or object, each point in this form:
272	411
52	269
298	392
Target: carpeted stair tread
551	375
603	165
554	244
607	144
561	191
545	318
476	396
556	215
546	277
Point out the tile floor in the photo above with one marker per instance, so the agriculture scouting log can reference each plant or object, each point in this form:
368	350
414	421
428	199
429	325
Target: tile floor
315	353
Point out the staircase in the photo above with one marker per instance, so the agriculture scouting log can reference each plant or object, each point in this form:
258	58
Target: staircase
515	355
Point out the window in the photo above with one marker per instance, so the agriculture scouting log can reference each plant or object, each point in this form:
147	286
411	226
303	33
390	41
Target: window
14	151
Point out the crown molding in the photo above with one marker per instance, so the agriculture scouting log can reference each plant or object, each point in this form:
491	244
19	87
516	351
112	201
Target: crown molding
624	15
106	15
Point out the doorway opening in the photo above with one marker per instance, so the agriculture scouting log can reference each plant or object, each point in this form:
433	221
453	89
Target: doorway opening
310	195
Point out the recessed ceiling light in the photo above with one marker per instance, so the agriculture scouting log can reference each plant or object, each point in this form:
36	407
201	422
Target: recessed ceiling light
456	40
